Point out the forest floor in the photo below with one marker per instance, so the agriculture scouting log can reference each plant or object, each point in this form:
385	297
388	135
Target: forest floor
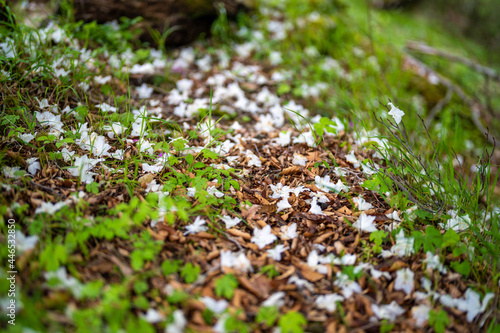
201	192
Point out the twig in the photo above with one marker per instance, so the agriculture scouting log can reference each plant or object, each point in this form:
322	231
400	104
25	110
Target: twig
427	72
439	106
426	49
46	188
234	241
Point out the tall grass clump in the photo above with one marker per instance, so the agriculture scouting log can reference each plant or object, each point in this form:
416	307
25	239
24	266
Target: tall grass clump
448	195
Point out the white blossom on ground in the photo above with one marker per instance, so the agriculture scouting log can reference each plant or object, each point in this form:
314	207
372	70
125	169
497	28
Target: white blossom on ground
457	223
283	139
144	91
347	286
33	165
299	159
346	260
49	207
283	204
402	248
65	281
289	232
82	166
328	302
394	216
388	311
307	138
102	79
191	191
220	326
404	280
276	299
420	313
263	237
362	204
9	172
351	158
396	113
375	273
230	221
277	252
25	243
320	197
114	129
324	183
365	223
105	107
315	208
153	316
43	104
472	305
433	262
179	323
280	191
313	261
212	190
216	306
239	261
340	187
197	226
27	137
253	160
301	283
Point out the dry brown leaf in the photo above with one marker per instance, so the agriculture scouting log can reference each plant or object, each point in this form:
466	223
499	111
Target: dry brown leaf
291	170
309	274
238	233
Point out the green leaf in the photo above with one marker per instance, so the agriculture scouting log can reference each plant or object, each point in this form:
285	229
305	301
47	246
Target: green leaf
283	89
450	238
350	271
386	326
235	184
136	260
189	159
378	237
226	285
462	268
431	240
140	286
209	154
199	165
438	320
292	322
170	266
178	296
190	272
92	289
270	270
92	187
267	315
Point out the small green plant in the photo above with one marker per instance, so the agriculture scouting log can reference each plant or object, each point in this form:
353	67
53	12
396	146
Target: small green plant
170	266
190	272
438	320
292	322
225	286
270	271
267	315
145	248
378	238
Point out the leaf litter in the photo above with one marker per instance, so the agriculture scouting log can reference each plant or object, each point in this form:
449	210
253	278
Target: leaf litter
299	207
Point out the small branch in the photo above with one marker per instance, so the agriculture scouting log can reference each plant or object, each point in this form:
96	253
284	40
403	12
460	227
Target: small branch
439	106
426	49
45	188
425	71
